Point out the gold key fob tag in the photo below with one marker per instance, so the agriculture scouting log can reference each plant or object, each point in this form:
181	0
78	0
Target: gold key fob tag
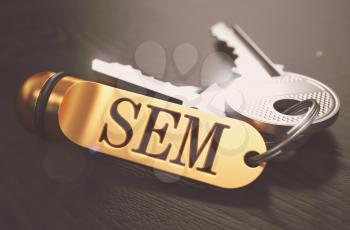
159	134
152	132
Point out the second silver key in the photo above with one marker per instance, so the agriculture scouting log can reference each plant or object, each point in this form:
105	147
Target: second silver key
264	90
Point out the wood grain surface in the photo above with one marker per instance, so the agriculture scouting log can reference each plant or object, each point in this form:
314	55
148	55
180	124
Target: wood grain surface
56	185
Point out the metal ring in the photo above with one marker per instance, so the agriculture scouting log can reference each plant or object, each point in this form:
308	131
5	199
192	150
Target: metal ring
303	124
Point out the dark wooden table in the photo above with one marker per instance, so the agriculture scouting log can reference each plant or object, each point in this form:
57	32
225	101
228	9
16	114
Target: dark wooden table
60	186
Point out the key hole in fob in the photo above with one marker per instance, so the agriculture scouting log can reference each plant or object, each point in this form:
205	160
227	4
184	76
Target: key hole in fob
248	162
282	106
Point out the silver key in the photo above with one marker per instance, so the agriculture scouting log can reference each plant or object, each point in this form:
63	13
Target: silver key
186	94
264	90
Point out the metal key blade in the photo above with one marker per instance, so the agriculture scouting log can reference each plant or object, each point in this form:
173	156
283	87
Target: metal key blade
260	98
187	94
251	61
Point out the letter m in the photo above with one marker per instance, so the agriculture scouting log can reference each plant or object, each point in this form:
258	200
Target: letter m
212	139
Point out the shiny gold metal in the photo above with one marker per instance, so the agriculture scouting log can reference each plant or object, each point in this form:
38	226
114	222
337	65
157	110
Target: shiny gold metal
145	130
86	110
27	99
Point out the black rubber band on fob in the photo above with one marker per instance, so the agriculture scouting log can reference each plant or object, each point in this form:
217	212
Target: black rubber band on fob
42	100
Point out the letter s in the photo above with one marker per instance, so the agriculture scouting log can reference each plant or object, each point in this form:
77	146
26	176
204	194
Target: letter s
121	121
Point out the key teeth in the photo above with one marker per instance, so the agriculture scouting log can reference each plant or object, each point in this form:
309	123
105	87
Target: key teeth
131	69
123	72
220	37
236	72
222	33
220	26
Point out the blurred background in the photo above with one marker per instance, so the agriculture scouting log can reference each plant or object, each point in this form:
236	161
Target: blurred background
57	185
